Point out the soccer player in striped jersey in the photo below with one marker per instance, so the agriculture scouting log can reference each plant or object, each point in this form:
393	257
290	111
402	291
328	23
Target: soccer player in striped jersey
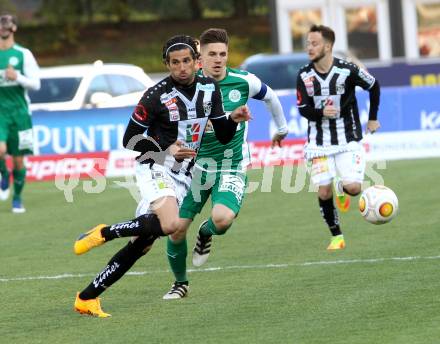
220	170
173	114
18	74
326	97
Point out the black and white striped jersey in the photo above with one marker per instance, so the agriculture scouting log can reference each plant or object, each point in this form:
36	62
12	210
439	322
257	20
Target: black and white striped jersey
337	88
171	112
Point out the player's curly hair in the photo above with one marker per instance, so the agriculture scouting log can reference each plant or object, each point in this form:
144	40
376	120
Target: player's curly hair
180	42
8	20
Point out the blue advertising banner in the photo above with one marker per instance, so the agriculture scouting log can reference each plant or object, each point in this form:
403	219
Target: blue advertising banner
64	132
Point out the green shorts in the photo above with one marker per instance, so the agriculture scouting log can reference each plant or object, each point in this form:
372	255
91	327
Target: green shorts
16	132
225	188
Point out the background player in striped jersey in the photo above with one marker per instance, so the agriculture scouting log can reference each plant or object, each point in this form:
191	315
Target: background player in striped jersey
18	73
326	97
219	170
173	113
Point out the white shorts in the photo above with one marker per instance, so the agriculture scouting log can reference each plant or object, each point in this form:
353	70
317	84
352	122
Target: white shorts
349	166
158	181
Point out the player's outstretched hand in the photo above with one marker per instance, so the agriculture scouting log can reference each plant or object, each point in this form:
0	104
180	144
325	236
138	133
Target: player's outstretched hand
372	127
180	152
241	114
277	138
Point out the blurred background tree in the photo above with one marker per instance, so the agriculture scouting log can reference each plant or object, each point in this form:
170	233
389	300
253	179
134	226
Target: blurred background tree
133	31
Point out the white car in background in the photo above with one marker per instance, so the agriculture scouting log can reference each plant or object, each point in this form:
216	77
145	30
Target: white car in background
96	85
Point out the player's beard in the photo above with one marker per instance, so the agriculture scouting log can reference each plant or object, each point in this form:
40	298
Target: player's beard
5	35
319	57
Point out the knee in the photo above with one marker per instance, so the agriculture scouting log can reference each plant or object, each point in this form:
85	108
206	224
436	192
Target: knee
325	193
353	189
18	164
170	226
223	221
179	234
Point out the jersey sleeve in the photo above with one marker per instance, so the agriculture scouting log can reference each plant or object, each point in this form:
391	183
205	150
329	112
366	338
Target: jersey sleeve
257	88
144	113
362	78
30	79
305	103
260	91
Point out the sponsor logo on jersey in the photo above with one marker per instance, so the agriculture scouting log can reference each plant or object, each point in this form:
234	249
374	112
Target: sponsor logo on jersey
13	61
343	71
166	97
192	113
205	88
192	132
174	115
367	77
170	102
325	90
234	96
308	82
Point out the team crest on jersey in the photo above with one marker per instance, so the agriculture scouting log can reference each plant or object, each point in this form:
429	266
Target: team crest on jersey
192	132
207	108
340	88
13	61
234	96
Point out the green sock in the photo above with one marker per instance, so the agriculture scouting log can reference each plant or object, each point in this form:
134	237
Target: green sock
209	229
3	169
19	180
177	252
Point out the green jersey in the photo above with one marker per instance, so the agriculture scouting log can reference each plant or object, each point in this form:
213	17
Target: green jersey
237	87
13	94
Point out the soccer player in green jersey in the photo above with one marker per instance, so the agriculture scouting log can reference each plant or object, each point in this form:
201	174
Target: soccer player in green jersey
220	170
18	73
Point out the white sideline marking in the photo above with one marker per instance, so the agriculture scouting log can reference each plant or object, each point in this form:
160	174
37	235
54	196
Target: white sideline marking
233	267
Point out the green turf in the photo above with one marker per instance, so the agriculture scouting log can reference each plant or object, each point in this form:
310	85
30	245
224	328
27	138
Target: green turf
271	286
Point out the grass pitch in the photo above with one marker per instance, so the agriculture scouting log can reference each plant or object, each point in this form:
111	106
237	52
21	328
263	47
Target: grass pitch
268	280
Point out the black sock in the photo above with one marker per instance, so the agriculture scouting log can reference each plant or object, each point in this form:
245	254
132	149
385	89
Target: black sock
330	215
144	225
120	263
